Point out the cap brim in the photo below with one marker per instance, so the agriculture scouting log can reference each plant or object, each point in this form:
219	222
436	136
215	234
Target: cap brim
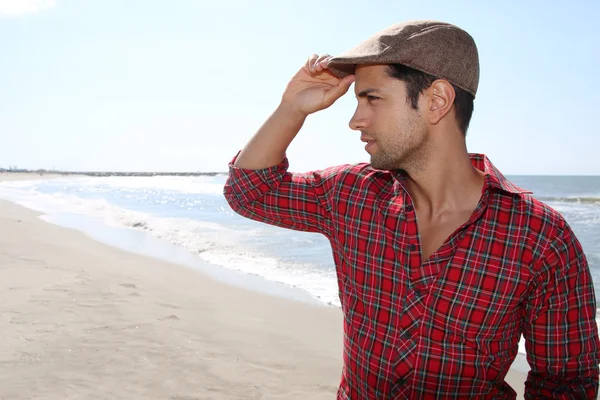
345	65
341	69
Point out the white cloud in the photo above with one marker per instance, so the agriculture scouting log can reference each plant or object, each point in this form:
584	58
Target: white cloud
16	8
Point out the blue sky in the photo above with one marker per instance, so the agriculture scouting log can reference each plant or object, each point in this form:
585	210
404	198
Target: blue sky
181	85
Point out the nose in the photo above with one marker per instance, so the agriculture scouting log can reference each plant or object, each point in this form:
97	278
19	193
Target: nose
358	121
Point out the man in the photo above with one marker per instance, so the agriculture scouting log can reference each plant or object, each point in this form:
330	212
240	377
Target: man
442	262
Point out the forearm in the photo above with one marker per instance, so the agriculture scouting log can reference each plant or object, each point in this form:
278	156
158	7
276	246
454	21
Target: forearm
268	146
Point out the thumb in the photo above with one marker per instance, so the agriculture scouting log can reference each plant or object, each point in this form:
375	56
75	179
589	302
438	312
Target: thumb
339	90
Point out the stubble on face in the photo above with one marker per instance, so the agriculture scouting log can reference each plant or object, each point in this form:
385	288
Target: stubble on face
404	145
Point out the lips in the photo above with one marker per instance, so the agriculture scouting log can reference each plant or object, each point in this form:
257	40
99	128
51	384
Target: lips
370	142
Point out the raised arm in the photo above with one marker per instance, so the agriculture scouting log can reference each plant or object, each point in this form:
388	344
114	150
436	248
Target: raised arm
312	89
259	186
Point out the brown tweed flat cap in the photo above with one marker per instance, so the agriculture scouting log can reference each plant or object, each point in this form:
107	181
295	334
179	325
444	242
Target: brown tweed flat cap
434	47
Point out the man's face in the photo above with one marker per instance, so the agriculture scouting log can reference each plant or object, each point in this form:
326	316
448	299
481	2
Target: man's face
396	134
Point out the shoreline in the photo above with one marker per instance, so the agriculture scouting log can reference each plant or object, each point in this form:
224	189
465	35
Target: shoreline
145	244
163	321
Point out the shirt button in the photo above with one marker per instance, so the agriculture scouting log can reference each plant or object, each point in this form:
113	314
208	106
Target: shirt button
413	247
409	208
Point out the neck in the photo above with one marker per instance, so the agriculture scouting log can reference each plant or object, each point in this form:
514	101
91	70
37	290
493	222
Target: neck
445	182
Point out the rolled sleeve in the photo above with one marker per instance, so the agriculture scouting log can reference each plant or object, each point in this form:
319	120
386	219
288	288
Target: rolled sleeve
273	195
245	186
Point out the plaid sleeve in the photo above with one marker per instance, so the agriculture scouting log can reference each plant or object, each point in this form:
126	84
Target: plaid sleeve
277	197
561	334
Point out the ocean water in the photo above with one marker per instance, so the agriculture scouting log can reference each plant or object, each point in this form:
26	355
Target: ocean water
191	213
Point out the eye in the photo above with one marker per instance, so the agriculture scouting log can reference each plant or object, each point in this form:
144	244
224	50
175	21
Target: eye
372	98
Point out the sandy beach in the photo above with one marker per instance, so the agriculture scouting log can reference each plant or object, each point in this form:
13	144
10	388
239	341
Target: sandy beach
83	320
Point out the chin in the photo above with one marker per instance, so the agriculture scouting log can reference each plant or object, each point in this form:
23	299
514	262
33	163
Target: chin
385	165
381	166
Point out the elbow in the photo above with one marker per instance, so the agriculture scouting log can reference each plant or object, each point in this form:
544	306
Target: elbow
232	196
583	386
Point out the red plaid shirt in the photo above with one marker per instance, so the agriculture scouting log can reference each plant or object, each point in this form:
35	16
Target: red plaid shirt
449	326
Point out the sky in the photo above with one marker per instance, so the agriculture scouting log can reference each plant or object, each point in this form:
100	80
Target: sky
182	85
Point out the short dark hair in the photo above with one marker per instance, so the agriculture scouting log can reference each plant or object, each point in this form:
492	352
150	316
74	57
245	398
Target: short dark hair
417	81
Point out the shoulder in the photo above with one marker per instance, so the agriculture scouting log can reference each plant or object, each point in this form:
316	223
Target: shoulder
346	174
545	230
539	216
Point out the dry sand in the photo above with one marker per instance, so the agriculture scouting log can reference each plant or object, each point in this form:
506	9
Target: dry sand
83	320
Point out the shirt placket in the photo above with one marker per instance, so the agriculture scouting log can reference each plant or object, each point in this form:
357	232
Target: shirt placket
421	277
411	305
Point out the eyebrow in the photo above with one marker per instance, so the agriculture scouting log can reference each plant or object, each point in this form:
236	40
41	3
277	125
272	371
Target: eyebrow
367	92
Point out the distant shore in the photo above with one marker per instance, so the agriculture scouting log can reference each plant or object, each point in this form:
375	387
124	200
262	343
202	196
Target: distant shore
46	173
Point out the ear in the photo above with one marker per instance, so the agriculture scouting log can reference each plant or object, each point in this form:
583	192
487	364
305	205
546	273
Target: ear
441	95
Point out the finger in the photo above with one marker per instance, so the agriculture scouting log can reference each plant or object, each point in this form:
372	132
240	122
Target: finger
323	57
338	90
311	61
321	62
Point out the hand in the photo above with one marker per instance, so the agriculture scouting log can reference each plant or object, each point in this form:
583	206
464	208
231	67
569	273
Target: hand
314	88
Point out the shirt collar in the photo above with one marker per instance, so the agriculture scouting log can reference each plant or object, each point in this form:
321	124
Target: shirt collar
493	177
